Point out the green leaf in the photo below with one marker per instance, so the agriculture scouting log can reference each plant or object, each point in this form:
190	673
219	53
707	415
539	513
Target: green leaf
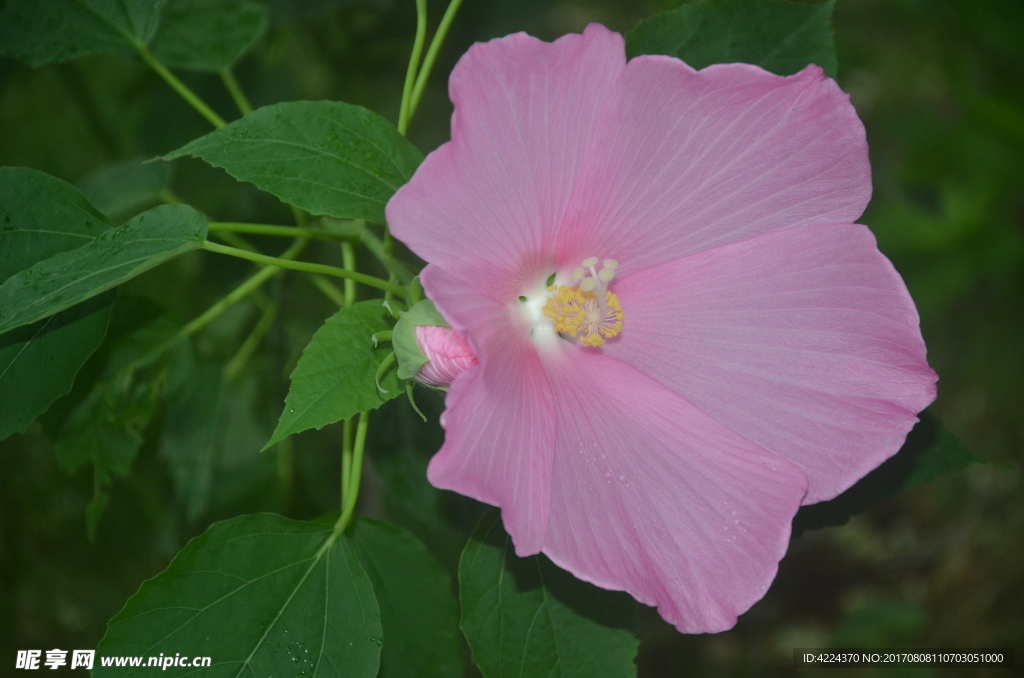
141	340
95	509
929	452
38	362
779	36
104	427
414	503
58	30
117	255
334	378
262	596
207	35
417	608
123	188
525	617
326	157
945	454
189	436
41	216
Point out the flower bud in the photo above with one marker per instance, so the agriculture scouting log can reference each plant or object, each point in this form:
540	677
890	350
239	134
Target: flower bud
427	349
448	354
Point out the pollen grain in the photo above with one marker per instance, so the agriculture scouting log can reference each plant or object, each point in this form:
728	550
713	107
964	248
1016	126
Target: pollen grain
579	313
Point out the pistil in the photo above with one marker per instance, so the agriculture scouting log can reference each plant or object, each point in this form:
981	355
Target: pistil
587	312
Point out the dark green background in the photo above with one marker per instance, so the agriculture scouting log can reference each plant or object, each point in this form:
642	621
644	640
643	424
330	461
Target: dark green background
940	87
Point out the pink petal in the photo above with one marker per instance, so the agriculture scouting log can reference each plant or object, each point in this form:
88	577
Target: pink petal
499	424
448	354
804	341
486	206
683	160
480	318
652	496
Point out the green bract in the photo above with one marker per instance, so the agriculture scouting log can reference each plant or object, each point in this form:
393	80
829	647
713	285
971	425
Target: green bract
403	339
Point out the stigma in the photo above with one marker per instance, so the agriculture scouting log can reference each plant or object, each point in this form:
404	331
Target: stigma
586	311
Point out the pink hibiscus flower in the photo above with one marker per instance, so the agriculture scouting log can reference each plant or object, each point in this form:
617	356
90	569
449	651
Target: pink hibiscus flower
721	343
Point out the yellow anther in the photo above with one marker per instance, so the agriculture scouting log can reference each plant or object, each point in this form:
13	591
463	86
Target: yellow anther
579	313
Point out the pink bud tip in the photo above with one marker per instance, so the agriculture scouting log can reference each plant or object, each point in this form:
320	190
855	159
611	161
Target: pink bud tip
448	353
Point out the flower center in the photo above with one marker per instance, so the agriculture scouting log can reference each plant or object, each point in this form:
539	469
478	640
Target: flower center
588	311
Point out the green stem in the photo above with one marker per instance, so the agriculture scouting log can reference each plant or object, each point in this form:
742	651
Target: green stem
388	248
351	492
376	246
228	78
329	289
404	116
261	300
428	62
367	280
249	287
299	215
168	196
236	240
348	261
358	232
347	438
232	238
240	292
251	343
180	87
281	231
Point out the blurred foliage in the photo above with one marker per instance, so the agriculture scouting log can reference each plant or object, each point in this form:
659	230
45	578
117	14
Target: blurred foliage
938	85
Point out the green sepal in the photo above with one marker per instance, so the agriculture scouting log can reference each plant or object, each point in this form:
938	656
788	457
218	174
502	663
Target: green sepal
386	365
416	291
394	308
411	358
412	401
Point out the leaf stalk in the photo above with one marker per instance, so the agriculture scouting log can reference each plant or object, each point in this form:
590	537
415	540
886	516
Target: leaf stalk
227	76
181	88
361	278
